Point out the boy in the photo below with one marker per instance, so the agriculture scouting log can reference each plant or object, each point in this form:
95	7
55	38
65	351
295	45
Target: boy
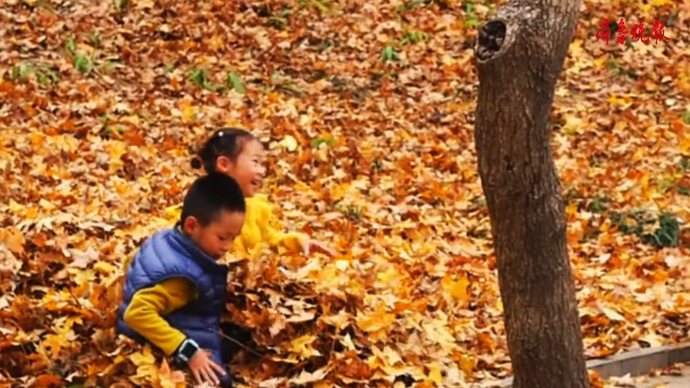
174	290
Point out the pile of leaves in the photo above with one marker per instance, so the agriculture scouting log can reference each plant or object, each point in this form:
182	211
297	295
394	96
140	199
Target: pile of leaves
310	314
367	112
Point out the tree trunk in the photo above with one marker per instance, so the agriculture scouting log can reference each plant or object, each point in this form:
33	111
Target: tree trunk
520	54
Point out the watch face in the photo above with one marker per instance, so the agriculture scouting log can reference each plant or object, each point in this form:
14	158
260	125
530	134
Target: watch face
188	350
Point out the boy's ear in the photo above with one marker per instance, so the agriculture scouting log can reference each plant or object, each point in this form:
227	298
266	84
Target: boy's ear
190	224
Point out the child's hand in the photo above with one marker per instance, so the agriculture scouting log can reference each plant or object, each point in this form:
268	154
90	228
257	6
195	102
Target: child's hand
203	369
310	246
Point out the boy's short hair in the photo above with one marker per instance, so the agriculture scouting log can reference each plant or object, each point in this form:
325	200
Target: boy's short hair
211	194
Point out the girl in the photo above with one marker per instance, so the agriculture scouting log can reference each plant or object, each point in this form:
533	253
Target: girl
237	153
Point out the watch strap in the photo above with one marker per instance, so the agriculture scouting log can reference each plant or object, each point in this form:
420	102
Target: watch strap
186	350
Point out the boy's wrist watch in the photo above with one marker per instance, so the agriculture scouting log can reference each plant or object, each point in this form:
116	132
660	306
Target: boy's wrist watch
186	351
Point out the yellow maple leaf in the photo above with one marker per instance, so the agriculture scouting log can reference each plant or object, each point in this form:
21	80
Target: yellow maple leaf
289	143
621	101
187	110
144	357
389	356
168	378
467	364
612	314
104	267
392	275
113	366
337	192
457	288
52	344
644	181
376	320
302	346
684	144
145	374
435	376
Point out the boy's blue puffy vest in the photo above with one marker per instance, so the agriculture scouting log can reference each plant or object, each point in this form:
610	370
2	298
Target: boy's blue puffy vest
168	254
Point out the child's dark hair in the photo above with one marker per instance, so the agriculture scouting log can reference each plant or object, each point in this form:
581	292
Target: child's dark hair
209	195
228	142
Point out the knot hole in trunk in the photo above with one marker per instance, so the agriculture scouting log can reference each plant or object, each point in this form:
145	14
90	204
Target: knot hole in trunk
491	37
508	163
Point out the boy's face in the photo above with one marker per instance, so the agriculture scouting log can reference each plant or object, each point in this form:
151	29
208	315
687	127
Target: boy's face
217	237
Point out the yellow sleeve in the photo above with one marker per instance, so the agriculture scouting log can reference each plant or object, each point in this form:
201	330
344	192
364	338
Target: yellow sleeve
270	233
148	306
240	248
291	241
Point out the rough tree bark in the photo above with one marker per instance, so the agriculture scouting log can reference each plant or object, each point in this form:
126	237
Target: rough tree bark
519	55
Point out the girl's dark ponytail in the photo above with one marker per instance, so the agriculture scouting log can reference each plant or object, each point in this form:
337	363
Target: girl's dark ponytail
197	163
228	142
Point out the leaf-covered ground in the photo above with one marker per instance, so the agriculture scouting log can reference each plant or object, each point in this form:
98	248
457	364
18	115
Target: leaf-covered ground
367	109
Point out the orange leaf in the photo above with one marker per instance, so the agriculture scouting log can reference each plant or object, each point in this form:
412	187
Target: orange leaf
6	87
134	138
13	239
47	381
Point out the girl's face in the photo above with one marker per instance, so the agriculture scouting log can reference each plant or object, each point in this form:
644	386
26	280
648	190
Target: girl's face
248	170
